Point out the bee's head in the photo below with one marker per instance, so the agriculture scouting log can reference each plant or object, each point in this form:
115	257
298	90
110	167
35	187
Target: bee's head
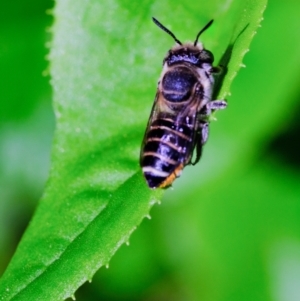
190	53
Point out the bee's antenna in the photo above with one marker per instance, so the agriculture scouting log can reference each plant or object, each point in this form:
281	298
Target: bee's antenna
167	30
202	30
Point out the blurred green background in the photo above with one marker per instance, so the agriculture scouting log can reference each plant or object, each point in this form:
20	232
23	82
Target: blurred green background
26	117
230	227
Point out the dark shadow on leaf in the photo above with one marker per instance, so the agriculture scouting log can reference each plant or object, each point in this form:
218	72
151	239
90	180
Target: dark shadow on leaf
223	63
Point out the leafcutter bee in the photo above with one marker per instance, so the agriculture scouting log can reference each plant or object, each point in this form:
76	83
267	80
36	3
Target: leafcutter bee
179	120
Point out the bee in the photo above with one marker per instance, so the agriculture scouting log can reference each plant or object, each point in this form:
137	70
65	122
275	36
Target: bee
179	120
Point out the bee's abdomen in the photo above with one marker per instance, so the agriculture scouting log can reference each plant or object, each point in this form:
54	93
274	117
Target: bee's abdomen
178	84
164	150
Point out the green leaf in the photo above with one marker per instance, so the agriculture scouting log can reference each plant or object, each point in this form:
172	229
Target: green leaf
249	19
105	60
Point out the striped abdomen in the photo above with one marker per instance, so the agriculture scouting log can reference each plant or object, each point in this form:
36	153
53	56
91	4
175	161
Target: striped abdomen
167	149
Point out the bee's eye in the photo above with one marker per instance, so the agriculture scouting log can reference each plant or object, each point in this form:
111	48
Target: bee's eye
206	56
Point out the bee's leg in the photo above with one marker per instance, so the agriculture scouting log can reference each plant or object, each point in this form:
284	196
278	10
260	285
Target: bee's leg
213	105
203	127
201	138
216	105
204	130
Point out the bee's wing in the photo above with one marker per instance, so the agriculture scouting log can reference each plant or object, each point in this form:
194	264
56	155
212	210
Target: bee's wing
186	122
156	108
188	119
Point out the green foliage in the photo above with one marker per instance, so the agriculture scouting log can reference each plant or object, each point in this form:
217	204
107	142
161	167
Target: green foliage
105	59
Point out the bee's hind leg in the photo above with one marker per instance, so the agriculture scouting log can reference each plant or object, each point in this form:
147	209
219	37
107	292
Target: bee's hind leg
203	125
201	138
204	131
